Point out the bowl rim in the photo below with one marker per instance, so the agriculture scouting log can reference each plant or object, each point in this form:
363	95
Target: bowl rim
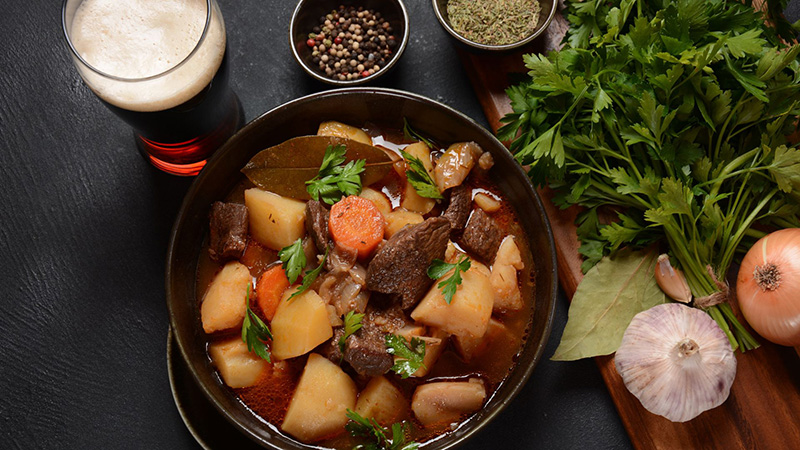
181	217
480	46
358	81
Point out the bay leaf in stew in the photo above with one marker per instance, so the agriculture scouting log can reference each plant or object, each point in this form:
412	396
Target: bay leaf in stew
285	168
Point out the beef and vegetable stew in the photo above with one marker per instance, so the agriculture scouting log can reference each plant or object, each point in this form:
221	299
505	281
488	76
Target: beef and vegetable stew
379	300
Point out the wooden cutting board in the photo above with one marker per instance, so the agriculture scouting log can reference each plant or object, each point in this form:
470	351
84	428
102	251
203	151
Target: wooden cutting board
763	410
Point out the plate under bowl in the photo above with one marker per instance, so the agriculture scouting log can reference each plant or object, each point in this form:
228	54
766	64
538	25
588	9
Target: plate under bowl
302	117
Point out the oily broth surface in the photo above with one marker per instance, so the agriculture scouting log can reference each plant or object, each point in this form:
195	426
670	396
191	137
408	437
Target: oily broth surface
270	396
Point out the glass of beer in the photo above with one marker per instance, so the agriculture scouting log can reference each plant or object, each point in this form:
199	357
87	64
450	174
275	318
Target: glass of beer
161	66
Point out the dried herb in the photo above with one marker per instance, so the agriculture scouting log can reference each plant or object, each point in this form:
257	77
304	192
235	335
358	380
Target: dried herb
610	295
494	22
285	168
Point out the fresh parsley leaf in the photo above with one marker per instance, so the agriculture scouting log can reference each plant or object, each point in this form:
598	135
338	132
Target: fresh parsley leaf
352	323
439	268
335	180
310	277
334	156
409	356
419	177
255	333
370	429
411	134
294	260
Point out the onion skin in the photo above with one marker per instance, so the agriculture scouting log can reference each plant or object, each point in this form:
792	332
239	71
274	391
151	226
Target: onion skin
773	311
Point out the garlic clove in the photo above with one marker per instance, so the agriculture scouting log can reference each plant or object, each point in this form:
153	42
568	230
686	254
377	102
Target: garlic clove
672	281
676	361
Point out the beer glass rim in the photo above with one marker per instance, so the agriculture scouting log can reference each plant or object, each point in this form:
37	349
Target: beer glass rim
75	53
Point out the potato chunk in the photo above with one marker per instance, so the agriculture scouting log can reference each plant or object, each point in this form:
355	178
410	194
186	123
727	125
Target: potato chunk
339	129
238	367
420	150
399	218
223	306
486	202
318	407
455	164
382	401
470	310
378	198
469	347
411	200
275	221
504	276
299	325
434	346
447	401
415	202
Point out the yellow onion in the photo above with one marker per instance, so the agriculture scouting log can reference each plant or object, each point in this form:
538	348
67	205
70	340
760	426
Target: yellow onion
768	286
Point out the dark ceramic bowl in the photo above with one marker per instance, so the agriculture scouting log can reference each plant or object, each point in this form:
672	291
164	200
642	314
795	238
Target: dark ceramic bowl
548	10
307	14
302	117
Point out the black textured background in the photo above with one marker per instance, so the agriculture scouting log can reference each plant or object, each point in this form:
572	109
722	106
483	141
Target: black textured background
84	224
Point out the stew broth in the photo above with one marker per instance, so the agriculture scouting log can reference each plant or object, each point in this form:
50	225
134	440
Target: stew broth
269	398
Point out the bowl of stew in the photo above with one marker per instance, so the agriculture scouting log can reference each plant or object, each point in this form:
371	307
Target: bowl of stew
361	260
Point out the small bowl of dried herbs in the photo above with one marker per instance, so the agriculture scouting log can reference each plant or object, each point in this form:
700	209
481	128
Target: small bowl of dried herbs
495	24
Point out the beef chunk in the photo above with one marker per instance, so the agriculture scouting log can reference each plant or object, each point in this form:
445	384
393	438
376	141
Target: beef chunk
457	211
482	236
228	225
317	224
365	350
330	348
401	266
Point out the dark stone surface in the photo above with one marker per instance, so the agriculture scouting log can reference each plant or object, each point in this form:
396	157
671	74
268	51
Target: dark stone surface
84	322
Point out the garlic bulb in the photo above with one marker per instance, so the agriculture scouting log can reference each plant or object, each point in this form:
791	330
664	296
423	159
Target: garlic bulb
676	361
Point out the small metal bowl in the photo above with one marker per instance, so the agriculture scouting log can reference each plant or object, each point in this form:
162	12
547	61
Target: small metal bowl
548	11
307	14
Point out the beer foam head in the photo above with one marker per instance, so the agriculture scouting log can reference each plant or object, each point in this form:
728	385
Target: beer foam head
137	39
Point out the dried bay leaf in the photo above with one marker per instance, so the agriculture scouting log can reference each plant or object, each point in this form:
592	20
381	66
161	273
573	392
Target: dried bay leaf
285	168
611	293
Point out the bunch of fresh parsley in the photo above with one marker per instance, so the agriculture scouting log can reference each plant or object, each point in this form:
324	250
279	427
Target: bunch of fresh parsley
674	114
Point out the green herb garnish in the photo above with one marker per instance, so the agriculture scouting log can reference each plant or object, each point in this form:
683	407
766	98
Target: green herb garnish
419	177
370	429
411	134
294	260
409	356
439	268
310	277
674	114
352	323
335	180
255	333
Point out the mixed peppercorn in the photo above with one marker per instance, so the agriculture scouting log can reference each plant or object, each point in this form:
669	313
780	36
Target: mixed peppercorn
351	43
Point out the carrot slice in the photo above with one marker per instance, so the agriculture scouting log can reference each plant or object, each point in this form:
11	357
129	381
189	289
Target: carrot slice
357	223
269	290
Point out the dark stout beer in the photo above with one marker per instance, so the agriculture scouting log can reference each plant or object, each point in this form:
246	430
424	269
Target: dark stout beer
162	67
